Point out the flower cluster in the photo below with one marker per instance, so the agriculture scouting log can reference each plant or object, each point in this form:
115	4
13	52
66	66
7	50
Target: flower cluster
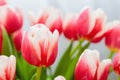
28	55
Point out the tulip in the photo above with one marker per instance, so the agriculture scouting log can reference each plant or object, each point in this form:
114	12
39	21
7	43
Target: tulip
10	18
116	63
59	78
7	68
40	46
77	26
50	17
70	27
17	39
99	27
112	36
90	68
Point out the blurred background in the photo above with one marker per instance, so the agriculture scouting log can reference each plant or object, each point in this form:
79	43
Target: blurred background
110	7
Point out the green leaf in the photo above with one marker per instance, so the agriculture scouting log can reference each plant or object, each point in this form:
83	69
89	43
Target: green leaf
64	62
25	71
6	44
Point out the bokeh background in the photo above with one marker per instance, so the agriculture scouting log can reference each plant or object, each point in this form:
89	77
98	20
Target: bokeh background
110	7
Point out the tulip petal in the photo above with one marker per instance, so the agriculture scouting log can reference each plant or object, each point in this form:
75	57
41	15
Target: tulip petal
30	49
98	31
112	37
103	70
54	20
86	22
87	65
116	63
53	48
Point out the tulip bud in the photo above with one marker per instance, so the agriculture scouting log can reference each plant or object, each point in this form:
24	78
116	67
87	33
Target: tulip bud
70	27
90	68
50	17
112	36
7	68
59	78
116	63
40	45
10	18
17	39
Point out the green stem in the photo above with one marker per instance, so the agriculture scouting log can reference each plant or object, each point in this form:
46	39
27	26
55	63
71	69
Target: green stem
38	73
111	55
79	45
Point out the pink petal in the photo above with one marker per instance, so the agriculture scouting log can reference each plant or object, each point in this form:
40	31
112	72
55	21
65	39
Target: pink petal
87	65
112	37
30	49
103	70
116	63
17	39
86	22
70	27
99	26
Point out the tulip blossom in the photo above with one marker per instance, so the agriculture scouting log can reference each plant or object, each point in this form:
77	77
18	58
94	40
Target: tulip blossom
7	68
116	63
17	39
50	17
70	27
90	68
10	18
112	36
40	45
59	78
99	27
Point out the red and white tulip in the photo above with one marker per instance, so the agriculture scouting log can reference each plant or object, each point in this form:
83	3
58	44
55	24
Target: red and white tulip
40	45
17	39
90	68
7	68
11	18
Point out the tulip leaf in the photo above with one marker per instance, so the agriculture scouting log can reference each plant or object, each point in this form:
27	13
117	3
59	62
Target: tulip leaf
70	71
6	44
25	71
64	62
